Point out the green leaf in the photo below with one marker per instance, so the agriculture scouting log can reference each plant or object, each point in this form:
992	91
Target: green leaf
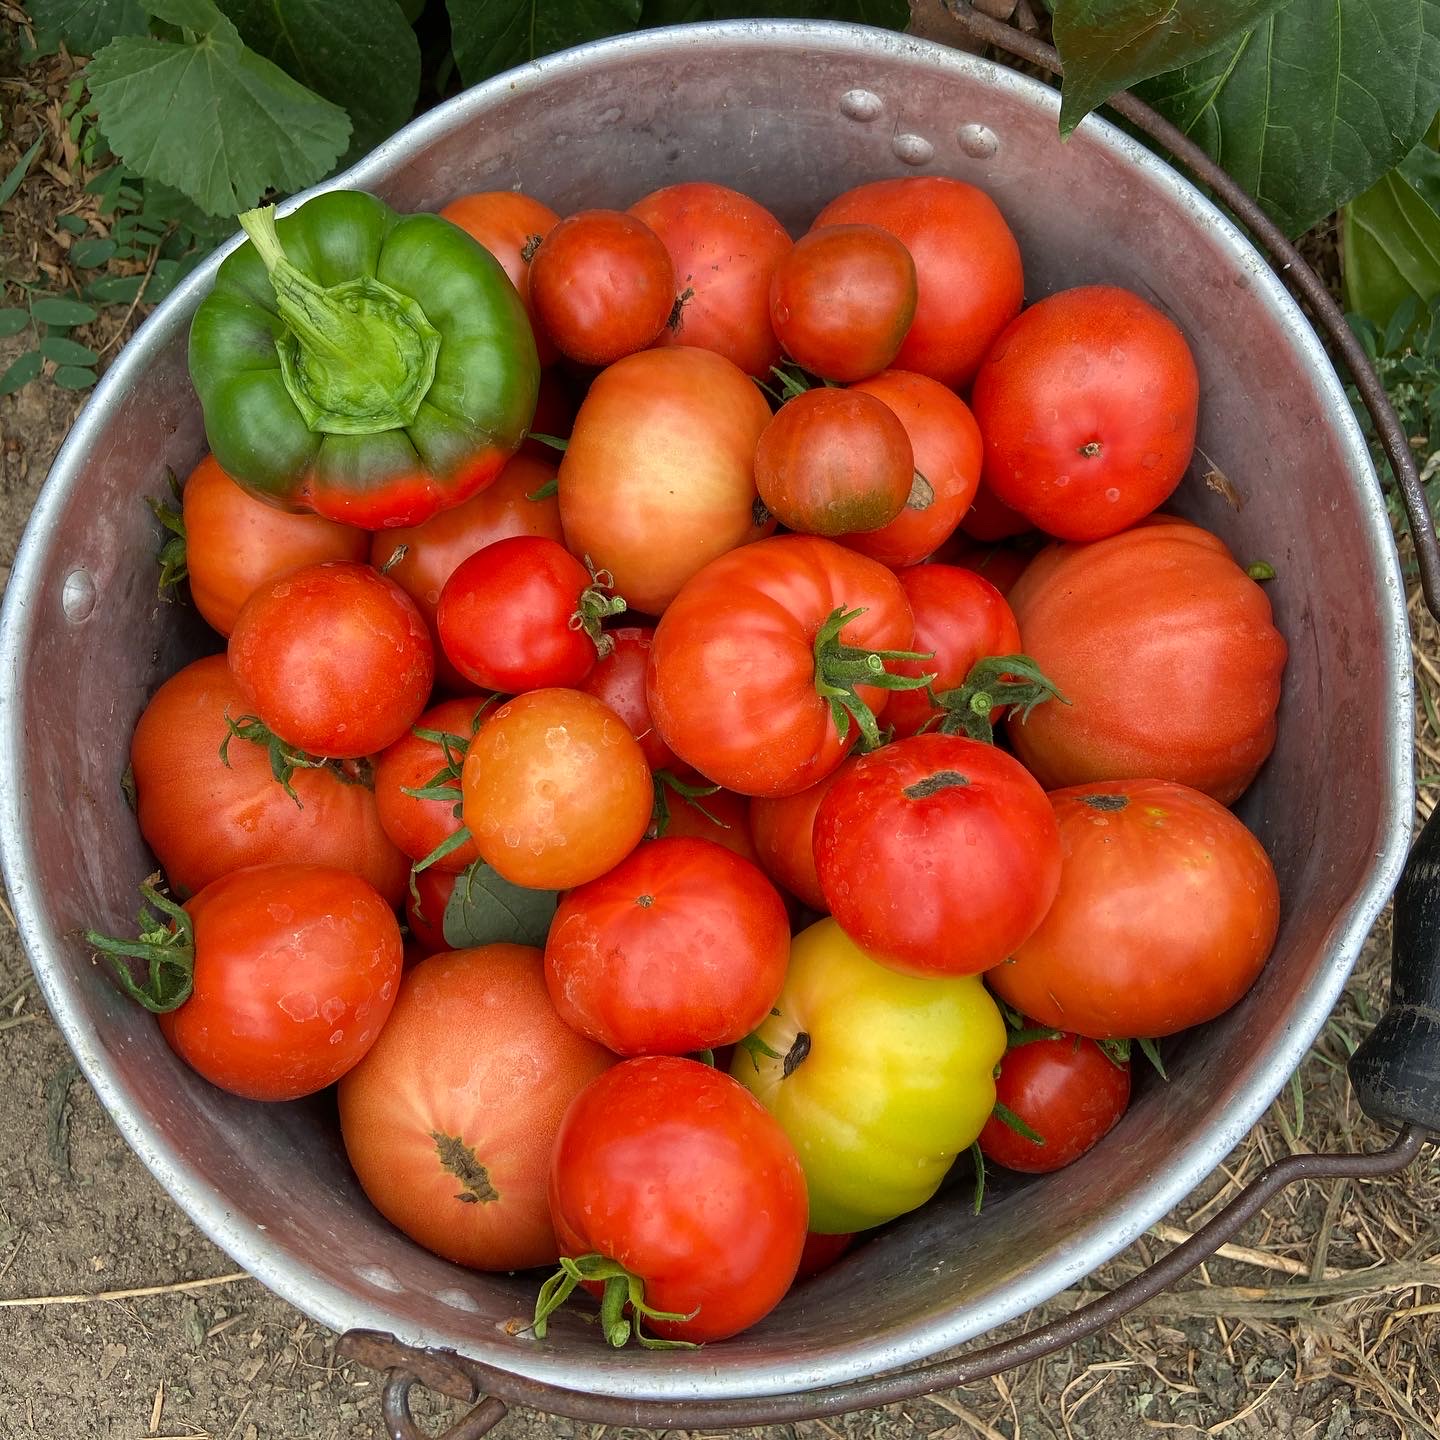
21	372
1110	45
58	310
86	25
493	35
66	352
486	909
11	183
73	377
1315	103
71	223
12	322
361	55
213	119
1390	238
92	251
114	289
201	16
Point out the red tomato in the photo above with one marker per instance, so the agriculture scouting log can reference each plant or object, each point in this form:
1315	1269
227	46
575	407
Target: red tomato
966	261
937	855
1199	914
1087	403
296	970
235	543
1068	1091
725	248
783	829
450	1119
834	461
1001	565
556	789
334	658
820	1253
603	286
681	947
1165	649
660	473
990	518
734	671
946	444
426	914
842	300
555	407
959	618
412	763
204	816
722	817
618	680
712	1223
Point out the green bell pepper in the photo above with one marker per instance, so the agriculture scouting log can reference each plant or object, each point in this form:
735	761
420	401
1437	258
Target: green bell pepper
372	367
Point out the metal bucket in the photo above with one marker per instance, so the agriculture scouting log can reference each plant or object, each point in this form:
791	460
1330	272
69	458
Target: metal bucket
791	114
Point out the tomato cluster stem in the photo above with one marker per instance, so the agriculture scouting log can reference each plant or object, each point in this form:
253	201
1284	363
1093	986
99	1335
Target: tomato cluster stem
166	946
840	668
622	1291
998	680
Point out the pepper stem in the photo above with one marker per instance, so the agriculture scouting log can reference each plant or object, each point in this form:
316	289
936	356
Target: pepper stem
840	668
167	948
621	1291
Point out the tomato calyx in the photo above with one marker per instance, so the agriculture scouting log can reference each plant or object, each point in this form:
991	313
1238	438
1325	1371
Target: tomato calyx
1010	681
173	557
396	556
1091	450
622	1290
922	493
665	782
285	759
167	945
839	668
597	604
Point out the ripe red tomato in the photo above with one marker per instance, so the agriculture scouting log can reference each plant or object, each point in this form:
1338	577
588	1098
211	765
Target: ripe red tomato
990	518
725	247
722	817
603	286
555	406
556	789
820	1253
425	910
204	816
1087	403
937	855
1165	649
966	261
1067	1090
659	476
334	658
681	947
834	461
959	618
1002	565
712	1223
450	1118
783	829
296	970
739	657
235	543
946	444
841	301
618	680
1199	914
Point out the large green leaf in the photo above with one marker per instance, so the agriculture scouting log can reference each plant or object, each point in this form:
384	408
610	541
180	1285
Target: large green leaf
362	55
86	25
218	122
494	35
1315	103
1390	238
1110	45
486	909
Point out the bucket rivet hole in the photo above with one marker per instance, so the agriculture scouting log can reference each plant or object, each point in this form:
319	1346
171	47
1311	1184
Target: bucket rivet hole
77	596
978	141
861	105
912	149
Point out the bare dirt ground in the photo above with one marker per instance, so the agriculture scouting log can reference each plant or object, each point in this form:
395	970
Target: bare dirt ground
1320	1326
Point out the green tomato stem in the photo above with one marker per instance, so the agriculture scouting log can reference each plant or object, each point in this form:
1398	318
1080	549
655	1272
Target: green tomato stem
839	668
622	1290
996	681
168	950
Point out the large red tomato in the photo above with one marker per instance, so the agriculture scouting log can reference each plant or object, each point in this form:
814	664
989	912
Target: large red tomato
1166	912
450	1118
783	829
1167	653
1087	403
751	666
966	261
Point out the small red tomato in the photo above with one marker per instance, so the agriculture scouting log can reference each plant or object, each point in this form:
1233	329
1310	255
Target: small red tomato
618	679
603	286
820	1253
842	301
425	910
1002	565
681	947
711	1221
1067	1090
522	614
783	829
833	462
721	816
990	518
335	659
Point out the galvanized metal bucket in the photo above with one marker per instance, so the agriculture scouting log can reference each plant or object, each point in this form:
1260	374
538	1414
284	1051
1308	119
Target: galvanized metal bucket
791	114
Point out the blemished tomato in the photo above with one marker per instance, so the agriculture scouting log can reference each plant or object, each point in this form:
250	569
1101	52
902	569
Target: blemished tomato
296	969
876	1137
425	909
937	855
602	285
1002	565
235	543
783	829
681	947
841	301
723	817
1167	910
1087	403
1168	655
725	247
510	226
945	441
618	680
739	658
556	789
960	618
659	477
450	1118
1067	1090
712	1223
990	518
414	762
335	659
820	1253
204	816
966	261
834	461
